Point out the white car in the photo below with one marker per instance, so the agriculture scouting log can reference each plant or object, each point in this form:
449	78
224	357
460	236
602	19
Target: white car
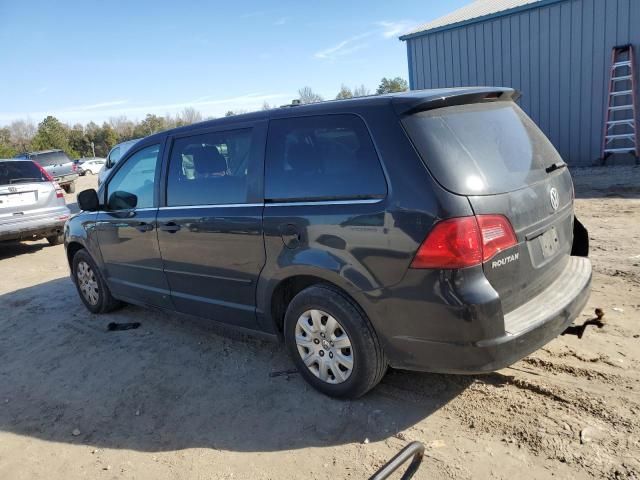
92	166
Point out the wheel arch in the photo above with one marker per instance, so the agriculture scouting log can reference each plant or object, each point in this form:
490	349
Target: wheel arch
278	294
73	247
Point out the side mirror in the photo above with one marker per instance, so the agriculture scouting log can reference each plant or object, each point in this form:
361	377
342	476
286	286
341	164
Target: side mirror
120	200
88	200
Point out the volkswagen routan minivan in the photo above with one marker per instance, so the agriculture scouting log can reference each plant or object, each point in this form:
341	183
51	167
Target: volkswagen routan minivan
432	230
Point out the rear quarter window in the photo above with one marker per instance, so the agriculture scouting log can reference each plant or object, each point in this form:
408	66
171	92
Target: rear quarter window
324	157
481	149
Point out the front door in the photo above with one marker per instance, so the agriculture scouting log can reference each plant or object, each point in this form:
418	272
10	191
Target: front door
210	231
126	231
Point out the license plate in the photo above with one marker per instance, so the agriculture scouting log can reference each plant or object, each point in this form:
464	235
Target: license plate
17	199
549	242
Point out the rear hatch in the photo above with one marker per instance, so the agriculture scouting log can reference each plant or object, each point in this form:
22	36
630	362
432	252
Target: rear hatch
56	163
494	154
25	193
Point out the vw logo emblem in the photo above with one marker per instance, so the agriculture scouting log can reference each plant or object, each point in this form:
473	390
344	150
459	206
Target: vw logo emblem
555	198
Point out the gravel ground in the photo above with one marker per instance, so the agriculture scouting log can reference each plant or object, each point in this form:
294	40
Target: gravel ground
180	398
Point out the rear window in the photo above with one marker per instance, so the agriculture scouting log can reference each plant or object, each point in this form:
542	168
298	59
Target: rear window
322	158
481	149
50	158
20	172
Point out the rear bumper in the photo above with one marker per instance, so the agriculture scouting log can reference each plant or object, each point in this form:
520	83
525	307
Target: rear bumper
34	229
66	179
527	328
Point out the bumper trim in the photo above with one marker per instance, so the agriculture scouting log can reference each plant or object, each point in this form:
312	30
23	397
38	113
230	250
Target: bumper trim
571	281
28	233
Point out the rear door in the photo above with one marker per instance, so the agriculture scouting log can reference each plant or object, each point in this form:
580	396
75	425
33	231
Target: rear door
210	227
496	156
126	230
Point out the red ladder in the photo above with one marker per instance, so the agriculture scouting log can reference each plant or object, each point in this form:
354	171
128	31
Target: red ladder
621	120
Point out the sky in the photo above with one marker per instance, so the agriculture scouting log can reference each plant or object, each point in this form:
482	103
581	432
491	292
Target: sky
91	60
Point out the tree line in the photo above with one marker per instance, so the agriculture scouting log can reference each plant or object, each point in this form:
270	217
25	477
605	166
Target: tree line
92	139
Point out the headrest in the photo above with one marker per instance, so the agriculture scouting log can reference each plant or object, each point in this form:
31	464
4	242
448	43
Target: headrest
208	161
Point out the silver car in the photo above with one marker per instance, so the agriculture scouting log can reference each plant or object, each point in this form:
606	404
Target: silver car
114	155
32	205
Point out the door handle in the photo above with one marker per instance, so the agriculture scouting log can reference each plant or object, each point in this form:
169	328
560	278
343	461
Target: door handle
170	227
144	227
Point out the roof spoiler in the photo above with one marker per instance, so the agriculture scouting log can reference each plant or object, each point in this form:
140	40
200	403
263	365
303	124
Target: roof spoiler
432	99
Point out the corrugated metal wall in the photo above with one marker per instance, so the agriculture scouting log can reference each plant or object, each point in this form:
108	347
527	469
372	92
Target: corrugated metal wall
558	55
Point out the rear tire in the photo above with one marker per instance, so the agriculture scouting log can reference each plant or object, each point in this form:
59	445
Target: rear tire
71	188
55	239
91	286
319	324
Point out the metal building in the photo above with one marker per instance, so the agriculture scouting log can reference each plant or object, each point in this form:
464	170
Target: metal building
556	52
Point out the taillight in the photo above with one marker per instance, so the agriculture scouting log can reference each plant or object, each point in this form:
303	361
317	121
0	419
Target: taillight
497	235
59	190
74	167
464	241
45	174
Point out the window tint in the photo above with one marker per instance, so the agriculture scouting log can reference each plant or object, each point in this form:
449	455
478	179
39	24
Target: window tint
322	157
50	158
20	172
482	148
132	185
209	169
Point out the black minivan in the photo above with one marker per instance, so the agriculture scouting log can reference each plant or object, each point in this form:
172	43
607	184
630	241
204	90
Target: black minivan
432	230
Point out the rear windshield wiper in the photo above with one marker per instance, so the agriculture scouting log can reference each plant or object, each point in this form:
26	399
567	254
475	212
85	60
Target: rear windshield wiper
25	179
555	166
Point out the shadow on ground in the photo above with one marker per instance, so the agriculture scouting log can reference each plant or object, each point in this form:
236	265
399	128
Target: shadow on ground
14	248
177	383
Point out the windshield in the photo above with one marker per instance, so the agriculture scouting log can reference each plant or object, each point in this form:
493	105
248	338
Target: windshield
20	172
483	148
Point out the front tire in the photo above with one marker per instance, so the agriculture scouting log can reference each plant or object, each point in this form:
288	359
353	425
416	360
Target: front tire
92	288
332	343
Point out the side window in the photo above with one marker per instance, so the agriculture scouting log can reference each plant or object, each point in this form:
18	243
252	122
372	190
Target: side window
322	157
209	169
114	156
132	185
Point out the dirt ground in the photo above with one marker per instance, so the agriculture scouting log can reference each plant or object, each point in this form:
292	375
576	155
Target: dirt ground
180	398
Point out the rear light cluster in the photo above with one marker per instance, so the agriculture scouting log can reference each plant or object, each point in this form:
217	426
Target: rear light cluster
59	190
465	241
45	174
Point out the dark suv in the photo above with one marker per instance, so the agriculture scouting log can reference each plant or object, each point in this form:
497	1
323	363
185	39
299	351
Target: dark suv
430	230
58	165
